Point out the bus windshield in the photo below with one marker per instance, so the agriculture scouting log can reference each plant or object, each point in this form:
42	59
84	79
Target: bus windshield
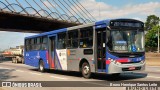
126	41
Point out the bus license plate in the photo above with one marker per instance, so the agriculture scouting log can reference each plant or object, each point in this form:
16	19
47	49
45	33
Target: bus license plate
132	68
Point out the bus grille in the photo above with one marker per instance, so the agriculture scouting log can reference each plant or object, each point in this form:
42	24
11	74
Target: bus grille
129	62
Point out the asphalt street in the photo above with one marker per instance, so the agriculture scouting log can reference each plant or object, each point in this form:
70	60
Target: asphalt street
21	72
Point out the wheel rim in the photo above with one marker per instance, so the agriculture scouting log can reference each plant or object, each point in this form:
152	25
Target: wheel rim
41	67
86	70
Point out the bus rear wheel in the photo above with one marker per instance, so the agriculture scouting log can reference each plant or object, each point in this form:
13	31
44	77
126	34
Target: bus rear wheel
86	71
41	66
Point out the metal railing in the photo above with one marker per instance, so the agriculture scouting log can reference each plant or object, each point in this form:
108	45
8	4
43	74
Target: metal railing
71	11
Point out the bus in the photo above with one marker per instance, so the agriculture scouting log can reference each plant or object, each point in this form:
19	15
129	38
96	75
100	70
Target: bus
111	46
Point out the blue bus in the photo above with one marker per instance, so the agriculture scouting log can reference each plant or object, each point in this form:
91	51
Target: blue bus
110	46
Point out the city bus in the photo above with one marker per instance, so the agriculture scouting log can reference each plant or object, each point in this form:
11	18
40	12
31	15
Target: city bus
111	46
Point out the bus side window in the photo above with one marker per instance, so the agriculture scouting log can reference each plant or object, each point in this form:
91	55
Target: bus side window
73	39
86	37
38	43
27	44
44	43
32	44
61	41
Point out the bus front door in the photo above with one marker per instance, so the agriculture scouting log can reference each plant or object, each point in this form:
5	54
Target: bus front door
101	49
52	44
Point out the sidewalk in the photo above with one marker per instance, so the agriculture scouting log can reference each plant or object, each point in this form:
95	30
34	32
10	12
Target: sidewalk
152	59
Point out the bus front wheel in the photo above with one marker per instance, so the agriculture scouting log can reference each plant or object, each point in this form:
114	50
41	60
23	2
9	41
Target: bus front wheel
115	74
41	66
86	71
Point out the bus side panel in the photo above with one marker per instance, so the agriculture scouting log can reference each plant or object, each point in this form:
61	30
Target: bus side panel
44	57
32	58
76	55
27	60
61	59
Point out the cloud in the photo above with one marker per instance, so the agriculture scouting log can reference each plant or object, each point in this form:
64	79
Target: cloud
108	11
48	4
137	18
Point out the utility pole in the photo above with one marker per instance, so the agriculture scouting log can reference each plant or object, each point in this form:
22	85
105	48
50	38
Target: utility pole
158	34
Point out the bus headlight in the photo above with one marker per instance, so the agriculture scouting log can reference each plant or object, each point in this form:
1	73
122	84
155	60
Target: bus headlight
115	61
118	63
142	61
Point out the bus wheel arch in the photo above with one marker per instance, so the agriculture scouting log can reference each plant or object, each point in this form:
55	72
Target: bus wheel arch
84	68
41	65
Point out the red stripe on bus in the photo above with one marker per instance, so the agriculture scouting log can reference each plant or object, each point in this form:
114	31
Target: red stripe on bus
50	60
52	64
122	60
108	62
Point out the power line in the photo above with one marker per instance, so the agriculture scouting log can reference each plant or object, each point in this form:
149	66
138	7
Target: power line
82	10
77	9
85	9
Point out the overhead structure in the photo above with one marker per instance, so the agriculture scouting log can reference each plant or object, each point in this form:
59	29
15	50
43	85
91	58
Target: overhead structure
42	15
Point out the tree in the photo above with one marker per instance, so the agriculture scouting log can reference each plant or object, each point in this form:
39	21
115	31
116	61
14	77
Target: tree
152	20
151	26
151	38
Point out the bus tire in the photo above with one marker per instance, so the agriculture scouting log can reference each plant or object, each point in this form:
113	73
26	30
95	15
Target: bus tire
41	66
115	74
86	71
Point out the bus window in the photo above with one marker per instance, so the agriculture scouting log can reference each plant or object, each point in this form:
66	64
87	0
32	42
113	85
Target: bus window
32	47
73	39
44	43
61	41
38	40
86	38
44	39
27	44
38	43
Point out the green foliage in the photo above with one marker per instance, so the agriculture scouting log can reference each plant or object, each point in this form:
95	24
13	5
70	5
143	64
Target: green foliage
152	20
151	26
152	37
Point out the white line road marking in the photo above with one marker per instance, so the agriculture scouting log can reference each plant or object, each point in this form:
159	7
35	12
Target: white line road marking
58	77
157	70
35	73
153	77
152	71
154	66
5	68
19	70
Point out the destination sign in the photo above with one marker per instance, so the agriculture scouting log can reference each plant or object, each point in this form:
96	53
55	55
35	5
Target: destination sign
126	24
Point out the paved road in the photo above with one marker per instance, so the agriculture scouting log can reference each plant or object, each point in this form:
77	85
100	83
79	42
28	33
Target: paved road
21	72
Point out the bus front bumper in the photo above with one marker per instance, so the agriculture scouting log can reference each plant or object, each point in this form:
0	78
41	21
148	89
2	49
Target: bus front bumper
123	68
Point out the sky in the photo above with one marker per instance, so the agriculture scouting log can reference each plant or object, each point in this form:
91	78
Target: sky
100	9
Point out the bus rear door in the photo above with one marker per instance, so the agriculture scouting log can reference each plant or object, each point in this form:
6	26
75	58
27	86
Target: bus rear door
52	51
